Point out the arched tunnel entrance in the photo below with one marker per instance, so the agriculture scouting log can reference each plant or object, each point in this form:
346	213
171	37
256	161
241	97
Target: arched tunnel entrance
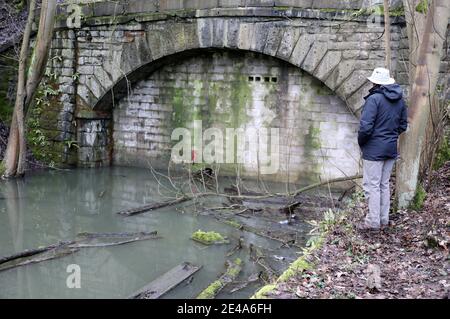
231	90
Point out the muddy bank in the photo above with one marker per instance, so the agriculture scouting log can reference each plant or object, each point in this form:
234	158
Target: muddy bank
409	260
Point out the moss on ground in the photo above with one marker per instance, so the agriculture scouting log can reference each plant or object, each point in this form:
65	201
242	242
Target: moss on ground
233	223
211	290
419	198
443	153
264	291
230	275
208	238
303	262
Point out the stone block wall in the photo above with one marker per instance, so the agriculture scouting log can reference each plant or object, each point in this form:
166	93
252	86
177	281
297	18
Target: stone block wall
122	43
236	90
56	121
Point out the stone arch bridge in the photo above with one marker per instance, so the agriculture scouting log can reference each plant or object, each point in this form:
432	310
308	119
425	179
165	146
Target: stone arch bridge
134	70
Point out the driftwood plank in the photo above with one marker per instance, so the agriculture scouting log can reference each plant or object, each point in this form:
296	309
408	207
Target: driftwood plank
166	282
147	208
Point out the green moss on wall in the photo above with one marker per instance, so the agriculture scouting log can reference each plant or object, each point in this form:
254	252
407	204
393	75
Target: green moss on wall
8	70
43	132
312	140
422	7
241	94
180	108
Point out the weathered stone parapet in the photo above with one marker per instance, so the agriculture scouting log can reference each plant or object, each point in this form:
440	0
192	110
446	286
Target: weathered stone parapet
120	7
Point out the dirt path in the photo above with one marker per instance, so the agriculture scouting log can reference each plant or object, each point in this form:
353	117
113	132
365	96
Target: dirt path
412	255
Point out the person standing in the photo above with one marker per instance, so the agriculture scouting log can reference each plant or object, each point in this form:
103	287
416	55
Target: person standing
383	119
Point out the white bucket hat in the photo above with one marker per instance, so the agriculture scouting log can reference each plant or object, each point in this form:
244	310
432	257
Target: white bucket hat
381	76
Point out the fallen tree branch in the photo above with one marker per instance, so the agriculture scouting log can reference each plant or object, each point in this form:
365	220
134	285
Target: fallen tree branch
155	206
233	270
147	208
331	181
64	248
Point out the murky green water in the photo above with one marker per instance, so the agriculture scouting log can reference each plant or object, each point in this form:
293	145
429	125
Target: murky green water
47	207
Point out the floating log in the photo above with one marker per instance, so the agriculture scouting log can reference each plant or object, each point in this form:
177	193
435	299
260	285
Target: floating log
253	278
58	251
64	248
27	253
233	270
166	282
256	231
147	208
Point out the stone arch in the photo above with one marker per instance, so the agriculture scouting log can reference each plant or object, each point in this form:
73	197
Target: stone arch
139	52
133	143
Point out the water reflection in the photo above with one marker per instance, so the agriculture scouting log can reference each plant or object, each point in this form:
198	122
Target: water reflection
48	207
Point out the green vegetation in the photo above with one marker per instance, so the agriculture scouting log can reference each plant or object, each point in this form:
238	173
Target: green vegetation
312	139
209	238
44	115
419	198
264	291
211	290
241	93
230	275
2	168
8	67
422	7
443	153
321	230
233	223
377	10
19	5
297	266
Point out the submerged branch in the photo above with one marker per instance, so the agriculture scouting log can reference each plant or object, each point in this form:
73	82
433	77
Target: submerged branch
233	270
147	208
184	198
64	248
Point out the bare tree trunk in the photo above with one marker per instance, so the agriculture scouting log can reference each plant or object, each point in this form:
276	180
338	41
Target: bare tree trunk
37	67
16	132
415	24
387	35
424	85
42	49
16	150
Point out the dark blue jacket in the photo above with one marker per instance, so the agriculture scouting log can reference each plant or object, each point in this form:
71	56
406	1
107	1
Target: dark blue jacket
384	118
